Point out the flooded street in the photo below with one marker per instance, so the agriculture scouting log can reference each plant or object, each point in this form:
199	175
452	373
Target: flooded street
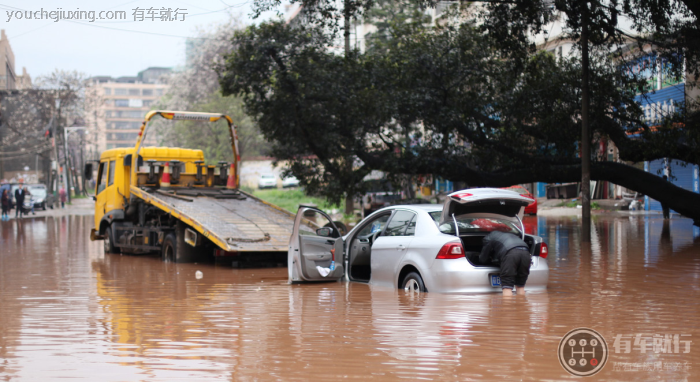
68	311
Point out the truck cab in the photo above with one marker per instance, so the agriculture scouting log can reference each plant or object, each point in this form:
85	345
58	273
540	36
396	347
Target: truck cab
112	191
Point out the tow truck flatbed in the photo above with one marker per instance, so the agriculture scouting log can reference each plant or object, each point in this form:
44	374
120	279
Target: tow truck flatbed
236	224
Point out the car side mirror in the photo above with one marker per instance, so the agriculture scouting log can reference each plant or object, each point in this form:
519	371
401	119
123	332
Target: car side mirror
87	171
94	198
324	232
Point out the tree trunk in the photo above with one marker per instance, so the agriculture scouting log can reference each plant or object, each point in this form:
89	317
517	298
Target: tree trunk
685	202
585	132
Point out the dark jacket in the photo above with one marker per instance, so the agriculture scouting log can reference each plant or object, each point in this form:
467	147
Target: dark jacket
19	197
6	201
497	244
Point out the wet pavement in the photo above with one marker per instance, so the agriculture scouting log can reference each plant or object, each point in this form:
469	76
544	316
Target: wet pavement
68	311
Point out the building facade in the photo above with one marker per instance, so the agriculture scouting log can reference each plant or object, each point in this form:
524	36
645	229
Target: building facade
119	106
9	80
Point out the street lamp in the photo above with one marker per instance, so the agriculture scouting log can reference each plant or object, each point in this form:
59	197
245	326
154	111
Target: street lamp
66	133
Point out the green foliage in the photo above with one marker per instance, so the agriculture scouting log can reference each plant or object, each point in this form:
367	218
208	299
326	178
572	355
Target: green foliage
311	105
214	138
464	102
394	18
291	199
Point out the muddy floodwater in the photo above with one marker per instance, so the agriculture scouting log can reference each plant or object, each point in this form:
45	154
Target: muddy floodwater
70	312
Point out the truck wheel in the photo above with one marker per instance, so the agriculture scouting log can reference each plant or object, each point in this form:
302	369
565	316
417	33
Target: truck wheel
169	250
184	253
108	241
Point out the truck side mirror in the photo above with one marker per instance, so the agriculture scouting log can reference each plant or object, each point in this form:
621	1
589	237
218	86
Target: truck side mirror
87	172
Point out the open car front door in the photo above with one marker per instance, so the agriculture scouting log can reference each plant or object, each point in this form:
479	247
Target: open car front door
315	248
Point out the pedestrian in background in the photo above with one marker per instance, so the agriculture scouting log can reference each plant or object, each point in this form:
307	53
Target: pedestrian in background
6	203
62	196
28	194
667	176
19	202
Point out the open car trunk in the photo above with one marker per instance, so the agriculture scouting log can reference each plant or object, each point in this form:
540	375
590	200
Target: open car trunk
472	248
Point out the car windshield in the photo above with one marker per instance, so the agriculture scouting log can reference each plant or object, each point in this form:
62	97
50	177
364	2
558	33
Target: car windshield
268	177
479	225
38	192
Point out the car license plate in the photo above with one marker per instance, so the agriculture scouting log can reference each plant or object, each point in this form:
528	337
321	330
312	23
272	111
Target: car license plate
495	280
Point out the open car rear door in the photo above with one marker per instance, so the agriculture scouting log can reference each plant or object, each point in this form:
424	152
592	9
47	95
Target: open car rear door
315	248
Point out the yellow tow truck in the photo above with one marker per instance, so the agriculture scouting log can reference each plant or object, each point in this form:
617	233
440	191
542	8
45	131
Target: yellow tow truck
167	200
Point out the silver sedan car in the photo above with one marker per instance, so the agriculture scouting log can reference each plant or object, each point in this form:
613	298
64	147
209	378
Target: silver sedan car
418	248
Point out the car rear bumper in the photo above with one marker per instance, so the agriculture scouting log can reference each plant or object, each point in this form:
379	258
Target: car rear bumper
459	276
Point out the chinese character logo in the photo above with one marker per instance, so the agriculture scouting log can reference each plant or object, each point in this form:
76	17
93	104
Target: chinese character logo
583	352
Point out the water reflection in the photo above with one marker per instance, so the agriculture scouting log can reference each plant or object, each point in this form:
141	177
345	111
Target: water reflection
69	311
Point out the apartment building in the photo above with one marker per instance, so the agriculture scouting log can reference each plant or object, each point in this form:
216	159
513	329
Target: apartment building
120	105
9	80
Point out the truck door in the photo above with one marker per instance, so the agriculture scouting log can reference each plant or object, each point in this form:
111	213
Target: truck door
100	193
315	248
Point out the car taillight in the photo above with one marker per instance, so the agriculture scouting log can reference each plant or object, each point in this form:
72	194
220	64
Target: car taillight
544	250
451	250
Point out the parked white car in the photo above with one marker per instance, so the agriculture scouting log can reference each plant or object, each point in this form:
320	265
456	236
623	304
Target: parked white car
292	181
417	248
267	181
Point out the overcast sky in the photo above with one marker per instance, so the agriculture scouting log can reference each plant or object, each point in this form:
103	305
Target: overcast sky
90	47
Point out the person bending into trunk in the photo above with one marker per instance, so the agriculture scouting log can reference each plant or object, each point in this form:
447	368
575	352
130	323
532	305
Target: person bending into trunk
513	256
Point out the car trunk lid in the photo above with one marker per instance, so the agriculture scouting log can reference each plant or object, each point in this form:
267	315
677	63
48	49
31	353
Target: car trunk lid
506	203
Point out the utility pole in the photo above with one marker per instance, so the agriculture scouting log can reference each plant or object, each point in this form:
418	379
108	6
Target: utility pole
585	131
54	126
349	203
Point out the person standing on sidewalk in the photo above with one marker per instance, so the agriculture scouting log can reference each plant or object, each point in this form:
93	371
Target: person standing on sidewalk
667	176
6	203
62	196
19	202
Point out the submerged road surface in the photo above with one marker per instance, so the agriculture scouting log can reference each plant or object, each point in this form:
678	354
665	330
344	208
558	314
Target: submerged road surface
70	312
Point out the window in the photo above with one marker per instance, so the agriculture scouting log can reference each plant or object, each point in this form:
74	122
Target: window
159	92
108	91
376	225
121	102
124	136
111	173
399	222
119	91
312	221
411	229
101	177
124	125
125	114
147	92
147	103
134	92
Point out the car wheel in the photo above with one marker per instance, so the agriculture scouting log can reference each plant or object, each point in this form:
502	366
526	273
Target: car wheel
109	242
413	283
43	206
169	251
